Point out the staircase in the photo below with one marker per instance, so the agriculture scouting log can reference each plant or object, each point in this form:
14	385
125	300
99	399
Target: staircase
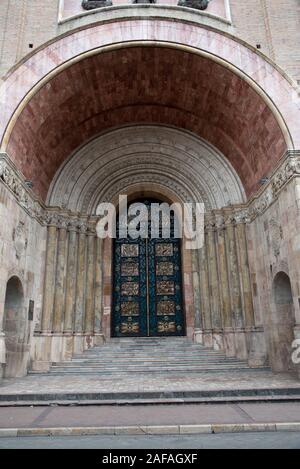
149	356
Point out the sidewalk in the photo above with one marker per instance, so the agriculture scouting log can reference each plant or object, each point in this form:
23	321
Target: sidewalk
156	419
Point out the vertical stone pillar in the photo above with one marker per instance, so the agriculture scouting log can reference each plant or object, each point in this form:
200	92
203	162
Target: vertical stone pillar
229	343
235	290
204	297
80	283
90	283
59	297
214	285
198	334
244	273
98	293
48	300
71	279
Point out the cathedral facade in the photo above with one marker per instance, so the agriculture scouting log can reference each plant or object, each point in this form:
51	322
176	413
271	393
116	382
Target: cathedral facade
186	102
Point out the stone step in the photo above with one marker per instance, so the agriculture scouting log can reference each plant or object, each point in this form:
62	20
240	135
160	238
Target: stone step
146	362
149	368
159	356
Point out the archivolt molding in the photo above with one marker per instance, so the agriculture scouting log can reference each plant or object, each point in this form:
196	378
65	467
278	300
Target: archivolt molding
177	160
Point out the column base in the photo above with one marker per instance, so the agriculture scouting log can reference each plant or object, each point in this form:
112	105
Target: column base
56	347
258	356
241	348
198	336
208	338
229	342
218	340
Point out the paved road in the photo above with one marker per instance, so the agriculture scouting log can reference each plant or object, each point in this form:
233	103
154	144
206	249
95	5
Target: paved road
235	441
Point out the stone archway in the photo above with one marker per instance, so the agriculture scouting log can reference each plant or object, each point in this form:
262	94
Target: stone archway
14	327
281	334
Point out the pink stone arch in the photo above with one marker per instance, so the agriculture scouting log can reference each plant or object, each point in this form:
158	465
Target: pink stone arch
277	89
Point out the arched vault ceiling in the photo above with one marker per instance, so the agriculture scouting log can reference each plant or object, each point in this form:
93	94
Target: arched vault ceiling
147	155
149	85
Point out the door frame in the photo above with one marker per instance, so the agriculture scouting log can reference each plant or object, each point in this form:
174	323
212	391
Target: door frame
161	193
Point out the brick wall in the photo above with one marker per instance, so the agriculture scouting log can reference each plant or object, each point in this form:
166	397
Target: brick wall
24	22
274	24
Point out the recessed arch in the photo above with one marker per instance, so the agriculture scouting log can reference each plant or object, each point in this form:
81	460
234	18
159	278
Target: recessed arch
282	321
145	155
14	328
282	289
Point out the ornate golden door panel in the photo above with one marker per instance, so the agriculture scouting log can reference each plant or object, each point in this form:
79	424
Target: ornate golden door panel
147	290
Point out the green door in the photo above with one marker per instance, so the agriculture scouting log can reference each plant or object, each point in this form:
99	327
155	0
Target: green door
147	287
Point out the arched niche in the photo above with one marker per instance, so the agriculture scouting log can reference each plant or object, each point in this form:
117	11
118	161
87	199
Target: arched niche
15	328
280	330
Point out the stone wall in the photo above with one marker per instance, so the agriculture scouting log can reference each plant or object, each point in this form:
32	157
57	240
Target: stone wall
234	303
22	251
274	247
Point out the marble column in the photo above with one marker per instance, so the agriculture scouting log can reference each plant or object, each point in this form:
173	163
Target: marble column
90	283
71	278
204	297
214	286
223	274
49	283
98	289
59	297
238	337
80	280
198	334
245	274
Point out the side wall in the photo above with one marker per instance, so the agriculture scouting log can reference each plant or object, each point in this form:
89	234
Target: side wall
274	247
22	251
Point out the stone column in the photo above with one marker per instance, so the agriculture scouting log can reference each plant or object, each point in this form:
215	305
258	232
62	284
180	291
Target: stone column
90	283
204	297
214	285
229	344
198	334
59	297
98	293
238	337
48	300
80	280
71	279
244	273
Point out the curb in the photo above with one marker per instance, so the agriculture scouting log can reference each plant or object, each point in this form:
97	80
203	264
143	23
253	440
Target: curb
152	430
225	395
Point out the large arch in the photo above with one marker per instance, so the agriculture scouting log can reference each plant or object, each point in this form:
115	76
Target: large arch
47	117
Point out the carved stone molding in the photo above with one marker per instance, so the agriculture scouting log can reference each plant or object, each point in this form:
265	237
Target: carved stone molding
173	159
20	239
244	213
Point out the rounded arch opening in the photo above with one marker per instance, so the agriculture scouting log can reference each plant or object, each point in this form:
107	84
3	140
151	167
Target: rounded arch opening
282	289
14	328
